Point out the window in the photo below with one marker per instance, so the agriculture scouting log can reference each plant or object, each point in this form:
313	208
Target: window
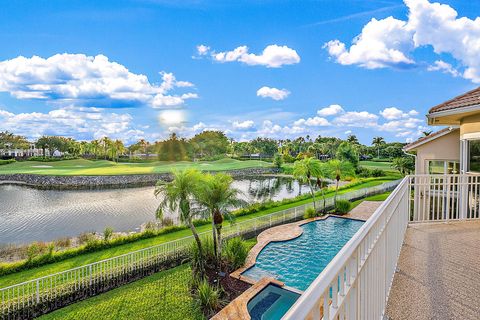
443	167
474	155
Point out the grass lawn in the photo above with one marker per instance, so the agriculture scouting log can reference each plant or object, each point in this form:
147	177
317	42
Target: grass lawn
87	258
378	197
385	166
84	167
164	295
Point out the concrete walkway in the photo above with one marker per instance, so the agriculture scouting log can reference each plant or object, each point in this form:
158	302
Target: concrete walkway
364	210
438	274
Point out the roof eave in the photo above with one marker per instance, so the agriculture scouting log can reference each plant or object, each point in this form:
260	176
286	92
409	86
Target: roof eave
446	113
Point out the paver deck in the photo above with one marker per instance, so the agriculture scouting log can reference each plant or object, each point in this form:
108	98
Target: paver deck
438	273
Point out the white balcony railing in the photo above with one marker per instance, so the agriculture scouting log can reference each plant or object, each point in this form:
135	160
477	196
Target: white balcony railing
356	283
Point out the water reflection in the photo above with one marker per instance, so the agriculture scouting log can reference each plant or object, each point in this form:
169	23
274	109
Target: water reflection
28	214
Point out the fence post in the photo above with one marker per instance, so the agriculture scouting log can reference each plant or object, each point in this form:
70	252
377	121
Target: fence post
38	291
90	274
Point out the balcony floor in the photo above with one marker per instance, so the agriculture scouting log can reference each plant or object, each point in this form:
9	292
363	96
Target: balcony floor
438	274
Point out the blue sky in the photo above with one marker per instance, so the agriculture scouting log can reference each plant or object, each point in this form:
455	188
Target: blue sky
143	69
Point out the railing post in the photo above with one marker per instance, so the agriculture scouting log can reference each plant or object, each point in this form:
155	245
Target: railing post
38	291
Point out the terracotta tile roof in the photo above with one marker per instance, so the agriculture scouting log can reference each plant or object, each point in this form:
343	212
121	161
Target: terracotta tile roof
468	99
430	137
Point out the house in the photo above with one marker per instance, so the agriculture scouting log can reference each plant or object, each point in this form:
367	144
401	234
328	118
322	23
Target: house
455	149
10	152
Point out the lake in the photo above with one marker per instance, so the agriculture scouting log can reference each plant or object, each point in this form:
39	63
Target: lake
28	214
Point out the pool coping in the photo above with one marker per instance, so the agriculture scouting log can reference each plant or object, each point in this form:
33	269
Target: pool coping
284	232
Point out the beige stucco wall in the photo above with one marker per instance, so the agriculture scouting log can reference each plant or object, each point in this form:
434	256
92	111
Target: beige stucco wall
446	147
470	125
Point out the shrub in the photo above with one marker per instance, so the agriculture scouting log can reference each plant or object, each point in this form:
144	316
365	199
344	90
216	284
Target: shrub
343	206
288	158
235	253
7	161
85	237
378	173
309	213
167	222
107	233
150	226
207	297
208	254
278	160
33	251
63	243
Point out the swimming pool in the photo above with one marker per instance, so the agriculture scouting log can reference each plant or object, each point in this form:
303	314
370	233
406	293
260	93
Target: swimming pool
271	303
299	261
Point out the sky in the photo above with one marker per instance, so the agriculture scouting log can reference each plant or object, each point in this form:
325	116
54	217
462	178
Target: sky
274	68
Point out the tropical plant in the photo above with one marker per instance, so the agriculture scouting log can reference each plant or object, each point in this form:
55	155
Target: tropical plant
309	213
207	297
343	206
339	169
179	194
306	169
404	165
235	253
348	152
378	142
217	196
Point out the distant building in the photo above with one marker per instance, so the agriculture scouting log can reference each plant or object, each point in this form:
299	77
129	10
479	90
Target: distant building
32	151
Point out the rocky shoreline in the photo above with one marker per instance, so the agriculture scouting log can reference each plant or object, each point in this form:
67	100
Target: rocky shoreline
116	181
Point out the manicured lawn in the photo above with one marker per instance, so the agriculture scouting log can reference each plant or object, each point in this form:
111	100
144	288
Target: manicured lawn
385	166
87	258
102	167
164	295
378	197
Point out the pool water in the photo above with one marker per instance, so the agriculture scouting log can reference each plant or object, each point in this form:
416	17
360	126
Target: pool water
271	303
299	261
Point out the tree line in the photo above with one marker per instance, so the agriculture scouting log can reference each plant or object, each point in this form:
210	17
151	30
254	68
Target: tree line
210	145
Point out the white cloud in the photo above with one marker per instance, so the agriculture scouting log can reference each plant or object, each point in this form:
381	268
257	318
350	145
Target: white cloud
330	110
389	42
393	113
202	49
77	122
356	119
444	67
274	93
312	122
90	81
273	56
382	43
243	125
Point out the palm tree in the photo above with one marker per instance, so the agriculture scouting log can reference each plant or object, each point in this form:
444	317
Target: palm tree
339	169
179	194
321	176
217	195
377	142
306	169
95	145
106	143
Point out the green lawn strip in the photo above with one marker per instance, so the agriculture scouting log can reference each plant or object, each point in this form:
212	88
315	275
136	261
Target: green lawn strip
164	295
378	197
85	167
372	165
87	258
